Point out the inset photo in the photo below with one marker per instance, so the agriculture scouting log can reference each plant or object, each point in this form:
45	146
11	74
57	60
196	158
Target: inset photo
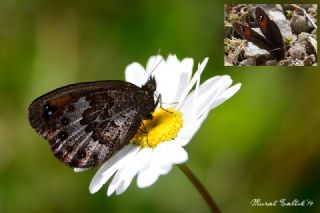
270	35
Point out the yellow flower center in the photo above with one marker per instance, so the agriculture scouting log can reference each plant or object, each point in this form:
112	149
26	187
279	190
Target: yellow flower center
164	126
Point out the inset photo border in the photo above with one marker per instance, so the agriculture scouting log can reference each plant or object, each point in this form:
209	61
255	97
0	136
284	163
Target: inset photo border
270	34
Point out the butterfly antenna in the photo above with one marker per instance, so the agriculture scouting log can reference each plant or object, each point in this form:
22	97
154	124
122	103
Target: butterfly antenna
154	61
278	48
156	65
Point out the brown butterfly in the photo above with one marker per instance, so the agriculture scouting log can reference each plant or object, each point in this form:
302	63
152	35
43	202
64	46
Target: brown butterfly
87	123
272	40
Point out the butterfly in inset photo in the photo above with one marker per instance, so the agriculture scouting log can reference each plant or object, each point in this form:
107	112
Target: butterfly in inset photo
272	40
272	35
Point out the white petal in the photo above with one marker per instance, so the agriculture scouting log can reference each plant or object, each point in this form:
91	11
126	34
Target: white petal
81	169
170	153
111	166
124	176
172	60
182	84
172	78
170	86
208	93
136	74
186	133
207	90
218	100
189	113
185	72
164	156
225	96
148	177
194	79
186	67
149	174
189	106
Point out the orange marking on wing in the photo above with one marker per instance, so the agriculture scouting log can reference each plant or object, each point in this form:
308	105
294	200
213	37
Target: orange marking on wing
246	32
60	101
263	23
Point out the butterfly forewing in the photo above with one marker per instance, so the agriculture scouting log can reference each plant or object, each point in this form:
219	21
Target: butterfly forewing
87	123
269	29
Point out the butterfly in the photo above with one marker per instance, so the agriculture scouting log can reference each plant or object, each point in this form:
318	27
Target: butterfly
272	40
87	123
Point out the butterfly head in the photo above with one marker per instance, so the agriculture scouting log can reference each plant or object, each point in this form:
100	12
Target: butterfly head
150	86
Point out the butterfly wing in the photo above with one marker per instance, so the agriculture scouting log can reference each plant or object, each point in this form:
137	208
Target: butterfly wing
87	123
271	31
252	36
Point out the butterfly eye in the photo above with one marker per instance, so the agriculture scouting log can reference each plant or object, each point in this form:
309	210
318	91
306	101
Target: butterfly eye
48	111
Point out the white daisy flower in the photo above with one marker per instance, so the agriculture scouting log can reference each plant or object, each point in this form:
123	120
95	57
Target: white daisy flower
173	125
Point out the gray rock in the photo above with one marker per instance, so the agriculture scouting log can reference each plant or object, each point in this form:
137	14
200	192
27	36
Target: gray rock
252	51
284	62
283	24
303	37
298	51
227	61
314	58
313	44
295	63
233	57
308	41
309	60
300	24
273	7
271	62
248	62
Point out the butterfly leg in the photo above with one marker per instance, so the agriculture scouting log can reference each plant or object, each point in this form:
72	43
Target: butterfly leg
145	131
159	100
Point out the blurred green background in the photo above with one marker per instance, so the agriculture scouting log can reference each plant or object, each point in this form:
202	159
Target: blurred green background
263	143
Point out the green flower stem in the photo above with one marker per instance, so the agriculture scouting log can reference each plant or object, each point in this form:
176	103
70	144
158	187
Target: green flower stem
204	193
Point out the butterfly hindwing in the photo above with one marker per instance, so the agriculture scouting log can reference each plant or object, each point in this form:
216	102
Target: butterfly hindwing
252	36
87	123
